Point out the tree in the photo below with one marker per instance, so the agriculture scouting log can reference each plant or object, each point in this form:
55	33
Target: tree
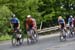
5	14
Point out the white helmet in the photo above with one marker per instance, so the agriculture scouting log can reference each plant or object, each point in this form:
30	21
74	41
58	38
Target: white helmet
28	16
13	15
71	16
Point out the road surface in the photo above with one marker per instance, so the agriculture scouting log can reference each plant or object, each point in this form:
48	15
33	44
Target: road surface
47	42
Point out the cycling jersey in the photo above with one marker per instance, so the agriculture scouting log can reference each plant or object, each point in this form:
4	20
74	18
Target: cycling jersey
61	21
15	23
70	21
14	20
30	23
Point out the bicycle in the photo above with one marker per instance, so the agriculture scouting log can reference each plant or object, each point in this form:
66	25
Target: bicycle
63	35
32	37
71	33
17	38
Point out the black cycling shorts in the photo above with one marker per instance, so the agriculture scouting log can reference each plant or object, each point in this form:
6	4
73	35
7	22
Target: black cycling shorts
30	26
62	25
15	25
70	23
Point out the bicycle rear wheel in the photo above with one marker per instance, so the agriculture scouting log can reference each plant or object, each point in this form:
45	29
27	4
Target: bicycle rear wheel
63	35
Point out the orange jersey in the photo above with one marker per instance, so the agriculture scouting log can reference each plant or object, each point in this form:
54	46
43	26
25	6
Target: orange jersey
30	22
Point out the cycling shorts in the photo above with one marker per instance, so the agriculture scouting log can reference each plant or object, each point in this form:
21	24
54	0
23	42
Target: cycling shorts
15	25
70	23
62	25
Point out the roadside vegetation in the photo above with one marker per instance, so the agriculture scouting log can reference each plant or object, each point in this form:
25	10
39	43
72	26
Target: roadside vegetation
44	11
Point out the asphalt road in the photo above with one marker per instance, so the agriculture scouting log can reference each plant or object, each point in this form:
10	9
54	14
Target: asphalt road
48	42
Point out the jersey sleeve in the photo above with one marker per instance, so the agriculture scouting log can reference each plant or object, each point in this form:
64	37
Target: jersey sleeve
17	20
63	20
34	22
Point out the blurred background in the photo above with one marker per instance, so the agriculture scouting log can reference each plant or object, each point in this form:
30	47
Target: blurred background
45	12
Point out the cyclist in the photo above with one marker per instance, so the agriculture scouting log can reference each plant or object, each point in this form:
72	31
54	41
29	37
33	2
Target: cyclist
71	25
62	27
15	23
61	22
30	23
70	21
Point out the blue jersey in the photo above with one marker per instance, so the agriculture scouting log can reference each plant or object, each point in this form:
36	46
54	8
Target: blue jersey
61	21
70	20
14	20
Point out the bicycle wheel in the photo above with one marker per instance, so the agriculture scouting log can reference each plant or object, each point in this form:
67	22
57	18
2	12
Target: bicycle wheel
13	41
21	41
71	33
36	36
30	37
63	35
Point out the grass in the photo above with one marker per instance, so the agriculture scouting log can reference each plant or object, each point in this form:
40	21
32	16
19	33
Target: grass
5	37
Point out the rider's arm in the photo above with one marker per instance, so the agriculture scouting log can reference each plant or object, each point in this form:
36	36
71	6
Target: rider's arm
64	23
34	24
18	23
68	21
59	24
19	26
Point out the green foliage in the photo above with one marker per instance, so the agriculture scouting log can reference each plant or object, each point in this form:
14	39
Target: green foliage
5	37
4	18
41	10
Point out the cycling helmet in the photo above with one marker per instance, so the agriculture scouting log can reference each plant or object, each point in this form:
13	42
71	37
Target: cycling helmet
60	17
71	16
28	16
13	15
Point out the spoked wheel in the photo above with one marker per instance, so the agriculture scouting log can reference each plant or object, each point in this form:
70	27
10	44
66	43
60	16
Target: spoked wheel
36	37
71	34
14	41
21	41
62	38
17	41
32	37
29	40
